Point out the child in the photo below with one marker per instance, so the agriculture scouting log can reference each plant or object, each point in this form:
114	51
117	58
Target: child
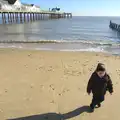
98	84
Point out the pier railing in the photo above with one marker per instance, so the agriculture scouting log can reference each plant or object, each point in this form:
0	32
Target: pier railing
25	11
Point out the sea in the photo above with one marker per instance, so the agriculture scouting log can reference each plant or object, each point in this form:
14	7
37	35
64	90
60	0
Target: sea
84	33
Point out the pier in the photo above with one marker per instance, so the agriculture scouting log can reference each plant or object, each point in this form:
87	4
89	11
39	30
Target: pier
9	17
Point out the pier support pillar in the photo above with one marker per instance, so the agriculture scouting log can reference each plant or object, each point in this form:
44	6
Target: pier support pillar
11	17
8	17
20	17
3	18
28	17
24	17
41	16
36	16
31	17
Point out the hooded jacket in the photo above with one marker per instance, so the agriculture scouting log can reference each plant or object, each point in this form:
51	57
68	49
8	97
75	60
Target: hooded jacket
98	86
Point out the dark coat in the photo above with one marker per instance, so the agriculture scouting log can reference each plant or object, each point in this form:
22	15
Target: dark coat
98	86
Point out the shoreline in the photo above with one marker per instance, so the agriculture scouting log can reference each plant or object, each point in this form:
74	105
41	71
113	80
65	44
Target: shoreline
58	51
78	47
63	45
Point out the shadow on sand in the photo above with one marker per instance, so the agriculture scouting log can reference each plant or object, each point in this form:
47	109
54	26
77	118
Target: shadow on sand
55	116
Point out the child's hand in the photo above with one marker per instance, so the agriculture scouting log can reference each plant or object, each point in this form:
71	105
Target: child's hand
88	93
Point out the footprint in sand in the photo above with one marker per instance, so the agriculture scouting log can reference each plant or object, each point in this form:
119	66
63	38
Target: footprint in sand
52	102
29	55
6	90
31	86
50	68
79	88
41	68
27	99
60	94
26	65
116	83
65	90
90	69
52	87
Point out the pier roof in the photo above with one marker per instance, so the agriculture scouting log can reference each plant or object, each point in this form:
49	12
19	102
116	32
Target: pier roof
30	5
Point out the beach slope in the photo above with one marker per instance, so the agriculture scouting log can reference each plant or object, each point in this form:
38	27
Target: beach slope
47	85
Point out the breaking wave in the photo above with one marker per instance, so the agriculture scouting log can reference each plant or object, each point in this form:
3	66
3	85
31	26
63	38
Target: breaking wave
99	43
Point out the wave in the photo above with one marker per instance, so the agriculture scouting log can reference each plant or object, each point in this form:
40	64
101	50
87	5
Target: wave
98	43
97	49
86	50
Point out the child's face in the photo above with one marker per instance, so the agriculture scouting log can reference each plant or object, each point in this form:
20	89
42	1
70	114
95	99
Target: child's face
101	74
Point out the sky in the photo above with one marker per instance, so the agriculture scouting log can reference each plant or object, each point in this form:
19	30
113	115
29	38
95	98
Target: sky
82	7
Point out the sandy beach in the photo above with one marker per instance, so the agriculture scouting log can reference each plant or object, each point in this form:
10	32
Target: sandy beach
45	85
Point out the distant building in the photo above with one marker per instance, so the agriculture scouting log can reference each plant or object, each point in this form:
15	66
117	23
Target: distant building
8	1
13	5
17	5
9	4
30	7
55	9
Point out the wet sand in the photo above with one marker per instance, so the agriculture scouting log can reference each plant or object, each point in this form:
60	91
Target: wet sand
45	85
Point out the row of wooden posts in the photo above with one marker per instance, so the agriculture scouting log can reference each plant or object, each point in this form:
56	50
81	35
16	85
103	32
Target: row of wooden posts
114	26
11	17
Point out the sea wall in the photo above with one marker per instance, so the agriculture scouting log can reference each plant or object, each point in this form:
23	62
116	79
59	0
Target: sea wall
114	26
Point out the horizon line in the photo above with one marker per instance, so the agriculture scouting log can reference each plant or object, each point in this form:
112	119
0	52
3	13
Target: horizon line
94	16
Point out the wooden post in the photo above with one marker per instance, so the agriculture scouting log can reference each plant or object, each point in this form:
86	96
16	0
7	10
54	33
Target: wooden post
5	18
33	17
11	17
38	16
20	17
67	15
28	16
2	18
8	17
16	17
41	16
24	17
